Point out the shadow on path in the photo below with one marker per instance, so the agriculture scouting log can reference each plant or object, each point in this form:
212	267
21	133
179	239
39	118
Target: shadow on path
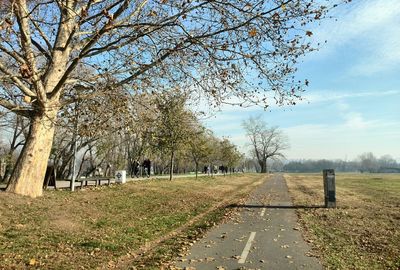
275	206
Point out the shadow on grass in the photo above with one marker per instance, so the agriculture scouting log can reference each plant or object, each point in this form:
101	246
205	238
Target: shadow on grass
275	206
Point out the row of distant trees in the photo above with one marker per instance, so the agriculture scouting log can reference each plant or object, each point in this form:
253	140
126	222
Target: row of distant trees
159	127
366	162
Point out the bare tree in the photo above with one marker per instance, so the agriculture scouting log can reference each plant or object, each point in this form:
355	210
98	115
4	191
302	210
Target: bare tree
14	129
368	162
266	142
50	48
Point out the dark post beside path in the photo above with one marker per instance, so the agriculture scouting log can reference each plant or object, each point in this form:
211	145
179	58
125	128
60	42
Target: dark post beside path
329	188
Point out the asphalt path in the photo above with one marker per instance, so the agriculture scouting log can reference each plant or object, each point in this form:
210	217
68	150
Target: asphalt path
264	235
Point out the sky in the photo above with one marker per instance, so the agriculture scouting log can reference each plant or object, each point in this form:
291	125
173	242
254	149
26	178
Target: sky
352	104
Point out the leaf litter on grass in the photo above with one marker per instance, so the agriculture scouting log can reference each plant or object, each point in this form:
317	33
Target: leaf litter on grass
94	227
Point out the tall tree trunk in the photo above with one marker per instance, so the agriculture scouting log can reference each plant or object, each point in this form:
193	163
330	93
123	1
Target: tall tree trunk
171	168
263	165
29	172
197	168
7	172
82	163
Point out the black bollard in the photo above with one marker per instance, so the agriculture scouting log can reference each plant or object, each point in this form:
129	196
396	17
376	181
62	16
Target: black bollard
329	188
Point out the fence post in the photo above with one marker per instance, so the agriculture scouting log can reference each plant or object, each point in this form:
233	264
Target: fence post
329	188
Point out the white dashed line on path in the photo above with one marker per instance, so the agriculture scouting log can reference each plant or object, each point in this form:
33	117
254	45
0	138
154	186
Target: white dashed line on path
247	248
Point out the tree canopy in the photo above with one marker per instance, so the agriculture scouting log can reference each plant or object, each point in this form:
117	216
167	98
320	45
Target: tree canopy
54	53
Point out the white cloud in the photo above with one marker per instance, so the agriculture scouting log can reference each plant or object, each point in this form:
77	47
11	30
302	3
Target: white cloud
371	26
348	137
228	112
355	120
318	141
359	19
333	95
343	106
382	55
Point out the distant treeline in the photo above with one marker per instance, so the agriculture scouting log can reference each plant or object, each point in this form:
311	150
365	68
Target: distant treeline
366	162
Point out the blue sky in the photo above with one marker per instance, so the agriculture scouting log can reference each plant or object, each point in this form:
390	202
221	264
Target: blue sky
353	101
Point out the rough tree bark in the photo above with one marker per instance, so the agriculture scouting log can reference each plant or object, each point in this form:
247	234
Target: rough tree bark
27	177
197	168
171	165
263	165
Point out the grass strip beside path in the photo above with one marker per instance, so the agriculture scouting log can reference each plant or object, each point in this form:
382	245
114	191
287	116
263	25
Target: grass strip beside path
363	231
110	226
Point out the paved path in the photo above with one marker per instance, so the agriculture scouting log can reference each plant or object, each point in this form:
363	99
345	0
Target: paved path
264	236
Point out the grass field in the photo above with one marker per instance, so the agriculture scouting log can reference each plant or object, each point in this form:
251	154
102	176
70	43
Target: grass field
141	224
363	232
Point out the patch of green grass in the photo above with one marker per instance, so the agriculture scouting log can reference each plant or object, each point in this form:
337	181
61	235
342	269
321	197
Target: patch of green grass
90	244
101	223
362	232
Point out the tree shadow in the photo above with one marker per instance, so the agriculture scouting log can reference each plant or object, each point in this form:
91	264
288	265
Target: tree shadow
275	206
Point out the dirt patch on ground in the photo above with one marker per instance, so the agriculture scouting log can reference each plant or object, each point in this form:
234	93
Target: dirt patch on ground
64	223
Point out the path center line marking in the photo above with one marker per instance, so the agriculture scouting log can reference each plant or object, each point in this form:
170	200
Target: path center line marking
247	248
262	212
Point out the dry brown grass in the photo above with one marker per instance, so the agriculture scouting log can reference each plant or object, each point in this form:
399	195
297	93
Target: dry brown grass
95	228
363	231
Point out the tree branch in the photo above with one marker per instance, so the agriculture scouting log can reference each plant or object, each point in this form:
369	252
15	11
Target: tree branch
41	49
43	35
17	81
20	110
26	44
13	54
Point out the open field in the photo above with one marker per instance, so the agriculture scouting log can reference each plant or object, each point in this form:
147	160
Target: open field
142	223
363	231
